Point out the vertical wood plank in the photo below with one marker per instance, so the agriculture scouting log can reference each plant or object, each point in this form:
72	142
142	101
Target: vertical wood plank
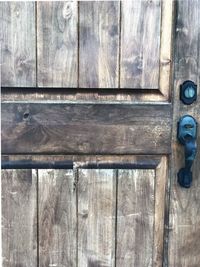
140	44
96	218
17	34
184	235
57	218
19	218
99	43
161	187
135	218
57	43
184	215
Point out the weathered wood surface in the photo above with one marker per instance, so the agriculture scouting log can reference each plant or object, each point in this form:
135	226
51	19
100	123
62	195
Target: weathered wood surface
76	218
56	218
96	217
140	216
85	128
79	94
57	44
166	48
99	43
140	44
138	160
184	217
135	218
18	44
19	218
161	194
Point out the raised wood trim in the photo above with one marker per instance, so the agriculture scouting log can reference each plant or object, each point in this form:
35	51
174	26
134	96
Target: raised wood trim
160	194
166	48
81	94
70	164
138	161
70	128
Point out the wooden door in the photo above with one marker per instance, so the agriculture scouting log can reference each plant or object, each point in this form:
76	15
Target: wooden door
90	99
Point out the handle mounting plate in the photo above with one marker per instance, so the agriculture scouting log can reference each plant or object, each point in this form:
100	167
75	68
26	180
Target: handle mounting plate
187	134
187	128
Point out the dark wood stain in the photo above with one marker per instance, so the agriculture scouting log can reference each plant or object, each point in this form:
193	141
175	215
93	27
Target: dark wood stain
84	52
86	128
98	44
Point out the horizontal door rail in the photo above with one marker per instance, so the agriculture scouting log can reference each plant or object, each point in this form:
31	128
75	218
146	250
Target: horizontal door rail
28	164
69	90
85	128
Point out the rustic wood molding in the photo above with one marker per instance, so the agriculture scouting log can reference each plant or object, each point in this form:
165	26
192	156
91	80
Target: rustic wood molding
84	162
167	10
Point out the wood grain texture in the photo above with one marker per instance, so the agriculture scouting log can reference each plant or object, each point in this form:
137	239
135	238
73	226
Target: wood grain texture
166	47
57	218
184	224
135	217
18	57
98	44
96	217
161	189
57	43
19	218
85	128
140	44
100	195
80	94
136	161
184	220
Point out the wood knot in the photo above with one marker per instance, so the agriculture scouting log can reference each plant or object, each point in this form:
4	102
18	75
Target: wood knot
139	62
165	61
26	115
67	10
17	11
84	214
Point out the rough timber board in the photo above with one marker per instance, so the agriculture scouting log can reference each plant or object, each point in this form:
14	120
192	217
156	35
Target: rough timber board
85	128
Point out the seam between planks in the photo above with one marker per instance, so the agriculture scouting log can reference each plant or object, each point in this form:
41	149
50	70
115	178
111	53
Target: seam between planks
78	42
116	213
36	46
37	212
119	44
76	179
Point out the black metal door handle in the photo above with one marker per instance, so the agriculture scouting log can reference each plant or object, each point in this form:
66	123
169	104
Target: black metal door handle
187	133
